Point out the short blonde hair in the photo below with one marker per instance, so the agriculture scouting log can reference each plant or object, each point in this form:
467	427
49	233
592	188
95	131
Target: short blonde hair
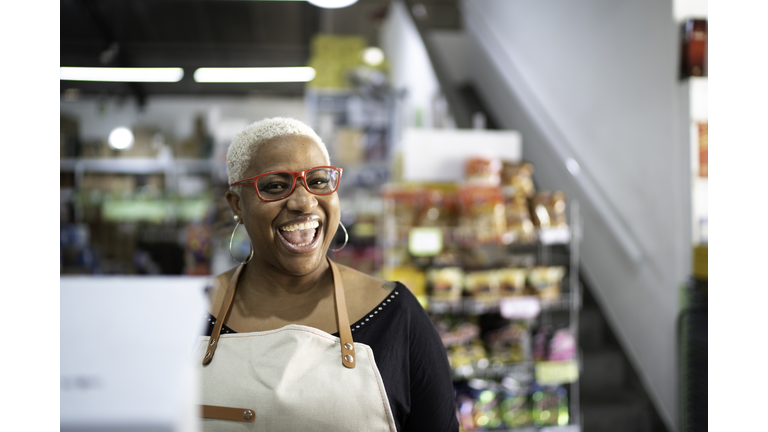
246	144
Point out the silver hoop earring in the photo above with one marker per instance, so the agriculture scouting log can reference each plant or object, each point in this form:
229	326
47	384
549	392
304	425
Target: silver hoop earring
346	238
230	247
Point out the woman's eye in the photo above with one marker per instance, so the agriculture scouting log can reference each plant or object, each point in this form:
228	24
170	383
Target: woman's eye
274	187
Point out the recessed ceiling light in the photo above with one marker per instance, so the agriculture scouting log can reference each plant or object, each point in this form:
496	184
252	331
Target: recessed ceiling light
373	56
332	4
121	138
254	74
121	74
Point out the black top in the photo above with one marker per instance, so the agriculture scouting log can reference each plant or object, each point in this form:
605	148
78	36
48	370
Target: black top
411	359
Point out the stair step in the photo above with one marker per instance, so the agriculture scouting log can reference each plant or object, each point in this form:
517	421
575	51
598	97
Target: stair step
620	411
591	329
603	371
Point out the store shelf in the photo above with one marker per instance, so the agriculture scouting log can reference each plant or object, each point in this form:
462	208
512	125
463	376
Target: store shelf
136	165
471	306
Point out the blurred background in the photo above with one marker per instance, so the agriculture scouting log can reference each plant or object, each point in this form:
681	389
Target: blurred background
535	172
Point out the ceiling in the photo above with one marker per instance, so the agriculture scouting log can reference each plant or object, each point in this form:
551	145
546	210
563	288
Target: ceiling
212	33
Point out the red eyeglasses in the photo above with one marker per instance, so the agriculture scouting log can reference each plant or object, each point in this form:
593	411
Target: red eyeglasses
277	185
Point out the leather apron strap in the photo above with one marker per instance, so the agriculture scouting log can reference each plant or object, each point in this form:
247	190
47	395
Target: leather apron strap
342	318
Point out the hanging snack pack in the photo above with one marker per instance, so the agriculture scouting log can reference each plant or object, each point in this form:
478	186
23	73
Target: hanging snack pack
482	219
517	179
445	283
562	346
546	281
516	409
438	207
481	285
548	209
520	227
548	404
511	281
483	171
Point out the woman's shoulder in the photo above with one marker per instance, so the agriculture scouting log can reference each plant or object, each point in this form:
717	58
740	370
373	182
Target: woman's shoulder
363	292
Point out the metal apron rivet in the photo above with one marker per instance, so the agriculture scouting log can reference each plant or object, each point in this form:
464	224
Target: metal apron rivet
247	415
348	346
349	358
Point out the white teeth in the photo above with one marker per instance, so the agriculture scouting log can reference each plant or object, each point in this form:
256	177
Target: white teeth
301	226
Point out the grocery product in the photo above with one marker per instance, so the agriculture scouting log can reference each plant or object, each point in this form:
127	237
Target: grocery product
548	209
481	285
550	406
511	281
520	227
517	179
516	409
482	217
485	171
438	207
546	281
445	283
562	346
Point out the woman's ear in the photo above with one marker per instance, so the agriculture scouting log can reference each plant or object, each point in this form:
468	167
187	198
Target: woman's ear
234	202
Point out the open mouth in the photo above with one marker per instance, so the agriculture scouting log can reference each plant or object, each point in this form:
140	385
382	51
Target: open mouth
302	236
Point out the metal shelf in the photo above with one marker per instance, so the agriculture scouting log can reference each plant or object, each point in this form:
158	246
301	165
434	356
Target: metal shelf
136	165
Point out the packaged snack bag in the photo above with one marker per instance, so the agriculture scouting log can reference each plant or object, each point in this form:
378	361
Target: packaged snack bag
485	171
562	346
483	218
516	409
488	409
546	281
438	207
520	227
445	283
517	179
546	406
511	281
403	202
481	285
548	209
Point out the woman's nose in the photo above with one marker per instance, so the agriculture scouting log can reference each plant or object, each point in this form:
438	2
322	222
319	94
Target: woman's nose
300	199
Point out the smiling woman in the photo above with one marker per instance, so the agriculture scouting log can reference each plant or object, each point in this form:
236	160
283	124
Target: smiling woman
280	353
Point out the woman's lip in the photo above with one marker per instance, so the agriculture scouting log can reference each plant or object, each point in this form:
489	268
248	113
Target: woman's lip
311	247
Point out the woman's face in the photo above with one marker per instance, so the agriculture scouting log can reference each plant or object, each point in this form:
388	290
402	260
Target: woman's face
283	233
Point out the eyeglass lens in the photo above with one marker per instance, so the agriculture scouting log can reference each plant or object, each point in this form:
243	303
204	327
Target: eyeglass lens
319	181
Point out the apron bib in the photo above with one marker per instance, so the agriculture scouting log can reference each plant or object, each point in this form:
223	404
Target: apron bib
290	379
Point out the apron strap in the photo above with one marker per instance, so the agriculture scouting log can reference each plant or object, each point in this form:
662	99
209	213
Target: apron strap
226	303
342	318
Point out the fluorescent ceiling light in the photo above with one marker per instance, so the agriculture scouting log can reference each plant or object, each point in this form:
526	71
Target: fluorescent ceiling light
121	74
254	74
332	4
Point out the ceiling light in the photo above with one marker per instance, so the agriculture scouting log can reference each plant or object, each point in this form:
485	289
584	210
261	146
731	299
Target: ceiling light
373	56
332	4
254	74
121	74
121	138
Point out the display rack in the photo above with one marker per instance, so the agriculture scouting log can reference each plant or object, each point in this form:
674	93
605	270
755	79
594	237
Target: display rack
560	246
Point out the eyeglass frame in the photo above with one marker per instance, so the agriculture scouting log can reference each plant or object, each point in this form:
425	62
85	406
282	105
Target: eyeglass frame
296	175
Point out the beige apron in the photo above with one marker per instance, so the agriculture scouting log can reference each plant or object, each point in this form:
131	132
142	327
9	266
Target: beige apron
294	378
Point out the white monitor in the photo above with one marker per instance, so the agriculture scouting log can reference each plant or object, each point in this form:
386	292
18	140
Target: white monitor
126	346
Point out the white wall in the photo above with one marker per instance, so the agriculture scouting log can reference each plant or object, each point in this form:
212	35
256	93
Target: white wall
410	67
593	84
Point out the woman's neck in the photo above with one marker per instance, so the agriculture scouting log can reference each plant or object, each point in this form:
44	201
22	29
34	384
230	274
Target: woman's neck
263	278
